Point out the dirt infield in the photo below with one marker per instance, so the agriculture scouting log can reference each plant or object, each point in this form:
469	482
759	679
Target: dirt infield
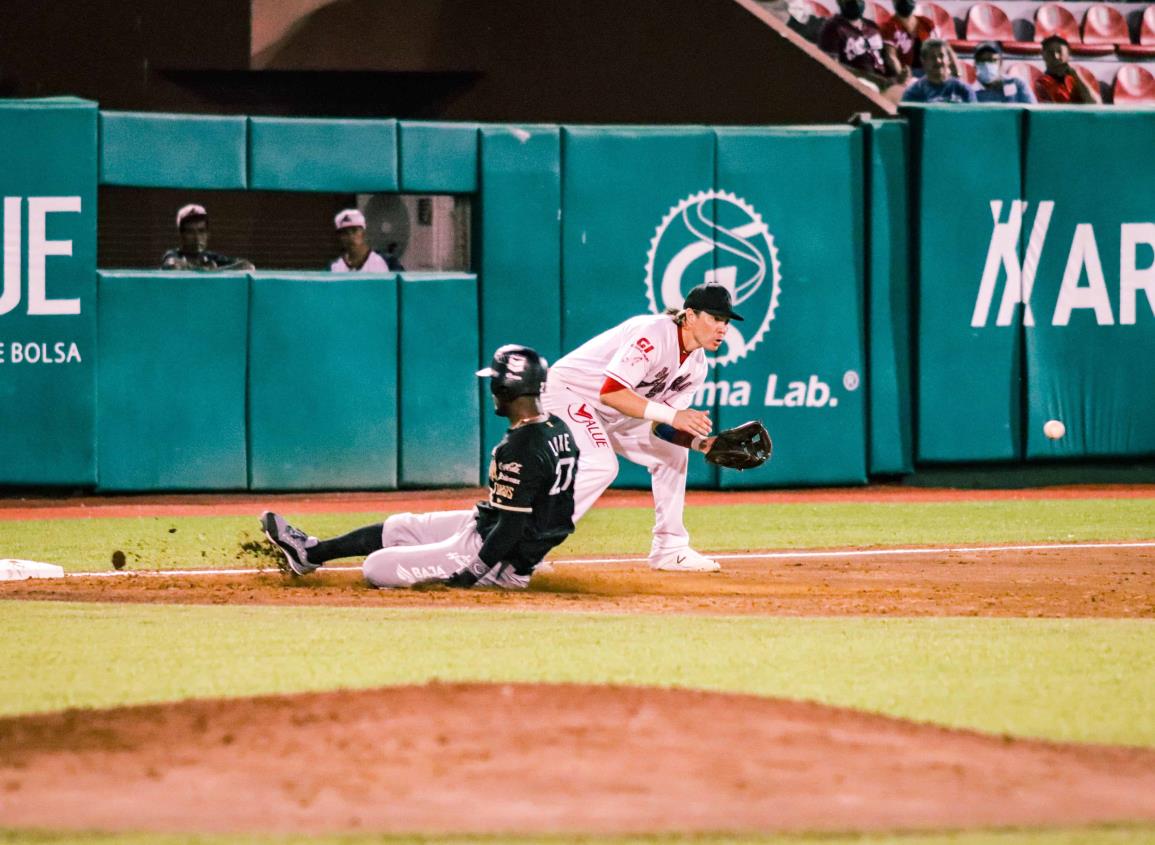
1060	582
544	759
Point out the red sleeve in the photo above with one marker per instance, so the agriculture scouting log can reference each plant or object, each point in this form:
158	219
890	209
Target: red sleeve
611	385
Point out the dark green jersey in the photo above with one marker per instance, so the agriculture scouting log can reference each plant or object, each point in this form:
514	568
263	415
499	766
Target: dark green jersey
532	472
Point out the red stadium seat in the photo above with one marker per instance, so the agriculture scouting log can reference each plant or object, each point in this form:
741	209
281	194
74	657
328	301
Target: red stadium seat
1056	19
988	22
1103	24
1024	71
818	10
1088	76
944	25
878	13
968	71
1146	45
1134	84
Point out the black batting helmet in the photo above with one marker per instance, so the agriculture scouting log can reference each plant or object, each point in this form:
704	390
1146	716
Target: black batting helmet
515	371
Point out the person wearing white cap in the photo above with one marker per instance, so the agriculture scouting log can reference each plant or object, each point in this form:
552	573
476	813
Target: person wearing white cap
192	222
356	256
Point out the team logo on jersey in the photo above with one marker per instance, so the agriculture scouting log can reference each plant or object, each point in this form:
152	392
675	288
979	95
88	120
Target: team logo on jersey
715	236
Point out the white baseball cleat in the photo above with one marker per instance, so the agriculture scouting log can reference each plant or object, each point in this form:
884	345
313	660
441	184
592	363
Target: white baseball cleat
687	560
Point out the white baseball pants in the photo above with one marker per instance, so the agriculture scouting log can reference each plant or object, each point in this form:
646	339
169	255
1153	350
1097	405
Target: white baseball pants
601	440
420	548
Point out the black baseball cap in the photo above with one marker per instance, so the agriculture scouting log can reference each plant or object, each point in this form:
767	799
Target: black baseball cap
714	300
989	47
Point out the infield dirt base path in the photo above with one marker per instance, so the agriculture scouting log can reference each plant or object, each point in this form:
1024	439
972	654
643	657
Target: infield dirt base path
544	759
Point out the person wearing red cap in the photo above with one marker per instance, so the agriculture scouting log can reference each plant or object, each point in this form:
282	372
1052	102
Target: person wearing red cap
192	224
628	392
356	256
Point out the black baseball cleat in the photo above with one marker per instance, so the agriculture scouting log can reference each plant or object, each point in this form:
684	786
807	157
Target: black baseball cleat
291	542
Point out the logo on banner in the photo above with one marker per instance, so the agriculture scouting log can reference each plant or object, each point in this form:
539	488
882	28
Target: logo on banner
717	237
1136	269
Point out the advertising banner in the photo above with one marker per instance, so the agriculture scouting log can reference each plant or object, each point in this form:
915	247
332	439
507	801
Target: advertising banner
789	211
1089	316
48	171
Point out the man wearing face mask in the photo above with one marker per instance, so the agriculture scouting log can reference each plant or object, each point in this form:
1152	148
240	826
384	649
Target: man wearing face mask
992	87
857	44
938	86
904	33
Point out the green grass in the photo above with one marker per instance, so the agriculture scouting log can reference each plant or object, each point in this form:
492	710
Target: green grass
168	542
1080	680
1130	835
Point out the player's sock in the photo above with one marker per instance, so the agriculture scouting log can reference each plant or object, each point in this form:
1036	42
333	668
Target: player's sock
359	543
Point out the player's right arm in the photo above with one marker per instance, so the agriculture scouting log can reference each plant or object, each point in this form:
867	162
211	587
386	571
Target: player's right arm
622	399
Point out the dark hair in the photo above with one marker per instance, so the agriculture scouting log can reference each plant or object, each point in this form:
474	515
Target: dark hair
1056	37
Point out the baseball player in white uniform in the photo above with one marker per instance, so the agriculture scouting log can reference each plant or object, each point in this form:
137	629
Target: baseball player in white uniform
355	253
628	392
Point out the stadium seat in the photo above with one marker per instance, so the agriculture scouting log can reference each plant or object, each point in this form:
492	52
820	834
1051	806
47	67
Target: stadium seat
988	22
1088	76
968	71
878	13
1024	71
944	25
1103	24
818	10
1056	19
1134	85
1146	45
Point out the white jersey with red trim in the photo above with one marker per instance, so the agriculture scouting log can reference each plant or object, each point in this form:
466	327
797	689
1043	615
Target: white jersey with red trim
643	354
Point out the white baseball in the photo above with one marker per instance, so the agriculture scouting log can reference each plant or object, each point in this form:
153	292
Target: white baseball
1054	429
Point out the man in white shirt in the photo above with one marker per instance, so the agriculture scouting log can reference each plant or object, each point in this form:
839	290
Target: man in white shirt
355	253
628	392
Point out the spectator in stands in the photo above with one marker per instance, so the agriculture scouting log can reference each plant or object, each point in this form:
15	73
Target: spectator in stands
903	34
192	223
992	87
938	86
355	253
799	17
1061	83
393	257
857	44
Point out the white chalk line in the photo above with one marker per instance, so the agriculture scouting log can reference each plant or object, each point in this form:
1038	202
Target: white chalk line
825	553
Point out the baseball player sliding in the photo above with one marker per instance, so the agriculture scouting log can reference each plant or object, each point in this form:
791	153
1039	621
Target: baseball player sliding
499	541
628	391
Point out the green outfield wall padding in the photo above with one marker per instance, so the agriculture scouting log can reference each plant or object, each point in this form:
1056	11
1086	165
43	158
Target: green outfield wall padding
174	150
621	188
171	381
323	381
305	154
48	171
789	228
969	384
438	158
520	249
1089	353
440	409
889	355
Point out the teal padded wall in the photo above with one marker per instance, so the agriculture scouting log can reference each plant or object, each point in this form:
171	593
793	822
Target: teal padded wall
440	408
438	158
173	150
47	291
888	303
520	249
1089	353
171	381
619	184
969	385
305	154
323	381
792	231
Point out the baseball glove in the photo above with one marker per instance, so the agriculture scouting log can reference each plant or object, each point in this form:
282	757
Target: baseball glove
744	447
